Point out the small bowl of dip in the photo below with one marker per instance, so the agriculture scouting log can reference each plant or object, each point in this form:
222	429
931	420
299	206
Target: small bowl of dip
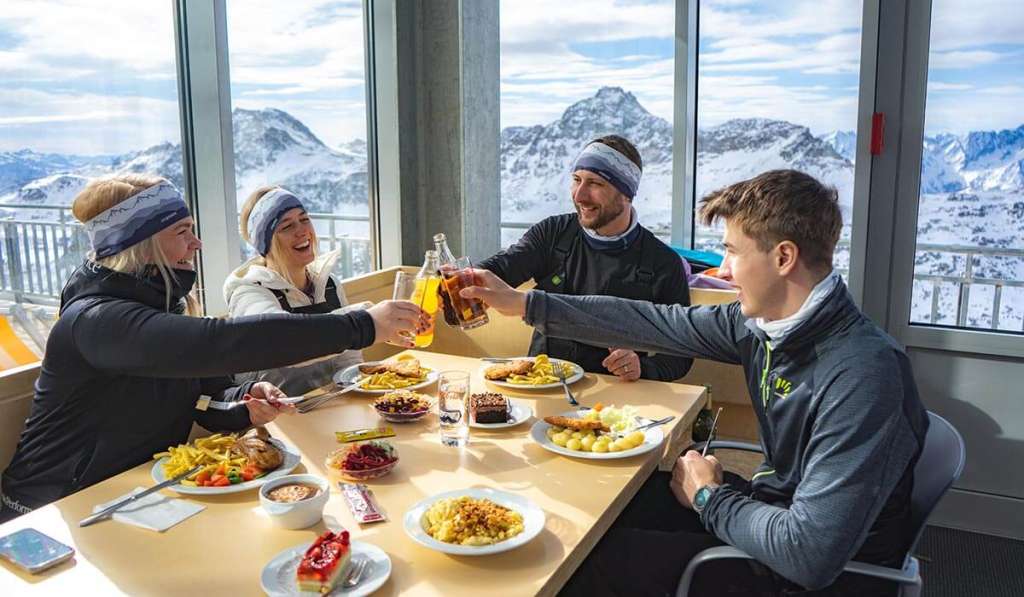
295	501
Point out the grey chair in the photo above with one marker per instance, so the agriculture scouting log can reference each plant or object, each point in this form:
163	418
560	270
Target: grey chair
940	464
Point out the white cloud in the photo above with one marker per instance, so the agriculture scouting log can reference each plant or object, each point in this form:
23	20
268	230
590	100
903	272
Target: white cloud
962	59
84	123
942	86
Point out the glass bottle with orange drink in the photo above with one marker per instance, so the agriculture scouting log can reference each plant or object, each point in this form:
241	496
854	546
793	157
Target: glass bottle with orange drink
425	294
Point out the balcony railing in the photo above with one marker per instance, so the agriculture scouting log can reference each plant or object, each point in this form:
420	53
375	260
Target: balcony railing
931	283
38	254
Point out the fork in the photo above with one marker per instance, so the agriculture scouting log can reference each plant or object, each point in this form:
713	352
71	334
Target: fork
560	373
356	574
319	401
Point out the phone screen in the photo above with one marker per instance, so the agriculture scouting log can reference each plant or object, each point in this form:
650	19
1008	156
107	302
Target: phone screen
33	550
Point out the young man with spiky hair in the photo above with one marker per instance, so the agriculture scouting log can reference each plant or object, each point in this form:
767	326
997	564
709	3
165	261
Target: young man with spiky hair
601	249
839	416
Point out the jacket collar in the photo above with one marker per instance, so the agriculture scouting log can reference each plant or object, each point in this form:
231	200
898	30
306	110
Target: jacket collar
92	279
835	312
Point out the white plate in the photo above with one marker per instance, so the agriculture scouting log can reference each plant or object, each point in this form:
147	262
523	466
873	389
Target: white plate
278	576
577	375
652	439
518	413
291	460
533	522
349	375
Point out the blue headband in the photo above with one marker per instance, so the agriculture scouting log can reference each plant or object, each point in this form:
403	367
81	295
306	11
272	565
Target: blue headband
135	219
266	214
610	165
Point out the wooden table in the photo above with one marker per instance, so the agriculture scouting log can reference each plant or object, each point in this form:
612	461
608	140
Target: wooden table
222	550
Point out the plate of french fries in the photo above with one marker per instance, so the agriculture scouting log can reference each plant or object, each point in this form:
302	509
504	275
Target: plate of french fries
531	373
215	453
404	372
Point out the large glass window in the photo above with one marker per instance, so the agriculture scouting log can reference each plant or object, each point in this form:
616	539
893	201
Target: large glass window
573	71
969	262
83	93
298	97
777	88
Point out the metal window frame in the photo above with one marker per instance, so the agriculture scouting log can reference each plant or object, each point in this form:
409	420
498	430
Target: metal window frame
684	122
867	90
382	136
914	91
208	160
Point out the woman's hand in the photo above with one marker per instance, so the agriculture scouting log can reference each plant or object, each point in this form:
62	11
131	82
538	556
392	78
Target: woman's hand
396	322
496	293
263	405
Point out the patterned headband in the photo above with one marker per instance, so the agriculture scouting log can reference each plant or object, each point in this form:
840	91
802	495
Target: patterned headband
135	219
266	214
611	165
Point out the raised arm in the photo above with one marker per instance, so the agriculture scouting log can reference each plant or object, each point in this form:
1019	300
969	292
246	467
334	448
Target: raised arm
129	338
860	446
705	332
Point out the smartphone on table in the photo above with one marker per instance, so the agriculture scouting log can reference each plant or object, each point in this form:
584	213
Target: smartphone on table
33	551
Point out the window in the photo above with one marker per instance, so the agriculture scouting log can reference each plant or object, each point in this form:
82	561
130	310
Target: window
299	115
83	93
969	260
571	72
777	88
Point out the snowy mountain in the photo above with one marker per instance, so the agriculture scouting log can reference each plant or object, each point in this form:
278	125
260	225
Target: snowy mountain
535	161
844	142
972	185
271	147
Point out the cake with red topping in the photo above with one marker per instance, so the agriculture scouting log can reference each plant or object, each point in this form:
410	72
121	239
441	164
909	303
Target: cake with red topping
324	563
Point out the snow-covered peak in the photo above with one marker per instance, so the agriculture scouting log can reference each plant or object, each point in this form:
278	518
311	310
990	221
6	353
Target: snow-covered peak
844	142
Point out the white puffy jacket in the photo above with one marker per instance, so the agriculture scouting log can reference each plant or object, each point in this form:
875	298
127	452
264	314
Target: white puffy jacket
247	291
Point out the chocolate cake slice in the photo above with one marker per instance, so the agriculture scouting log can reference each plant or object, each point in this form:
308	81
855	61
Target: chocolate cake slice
489	407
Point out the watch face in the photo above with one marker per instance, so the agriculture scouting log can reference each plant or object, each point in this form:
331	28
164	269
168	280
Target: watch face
701	499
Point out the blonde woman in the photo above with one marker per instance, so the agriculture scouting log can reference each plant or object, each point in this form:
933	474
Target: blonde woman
124	365
287	276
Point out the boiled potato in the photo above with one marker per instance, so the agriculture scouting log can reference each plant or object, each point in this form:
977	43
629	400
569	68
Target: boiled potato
574	444
560	439
588	442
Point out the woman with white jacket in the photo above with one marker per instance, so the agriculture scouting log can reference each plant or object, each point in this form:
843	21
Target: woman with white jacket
287	277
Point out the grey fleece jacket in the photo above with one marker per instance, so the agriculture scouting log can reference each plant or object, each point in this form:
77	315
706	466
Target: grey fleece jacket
840	420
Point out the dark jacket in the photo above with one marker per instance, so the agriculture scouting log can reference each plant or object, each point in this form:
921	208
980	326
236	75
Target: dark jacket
121	377
840	419
556	256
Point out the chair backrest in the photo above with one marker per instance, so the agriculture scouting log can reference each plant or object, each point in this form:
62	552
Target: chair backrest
938	467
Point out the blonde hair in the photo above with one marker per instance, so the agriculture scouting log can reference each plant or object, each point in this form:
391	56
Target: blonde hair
140	259
274	260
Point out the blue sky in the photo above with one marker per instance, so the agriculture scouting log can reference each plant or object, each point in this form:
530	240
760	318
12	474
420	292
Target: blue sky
107	83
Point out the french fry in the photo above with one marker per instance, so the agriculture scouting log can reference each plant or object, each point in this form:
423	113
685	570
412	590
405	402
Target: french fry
543	372
388	380
209	451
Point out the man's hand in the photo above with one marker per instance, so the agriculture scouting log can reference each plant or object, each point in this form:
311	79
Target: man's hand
623	363
262	403
496	293
691	472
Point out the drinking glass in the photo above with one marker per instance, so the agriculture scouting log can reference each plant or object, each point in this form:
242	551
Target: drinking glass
422	292
471	313
452	405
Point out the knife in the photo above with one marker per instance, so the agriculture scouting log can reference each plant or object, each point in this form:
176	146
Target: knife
219	405
106	512
711	434
653	423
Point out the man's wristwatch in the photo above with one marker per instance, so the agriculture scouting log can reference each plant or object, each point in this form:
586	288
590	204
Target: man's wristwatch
700	499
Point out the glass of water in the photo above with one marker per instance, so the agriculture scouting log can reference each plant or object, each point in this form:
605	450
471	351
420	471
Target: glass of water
452	405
